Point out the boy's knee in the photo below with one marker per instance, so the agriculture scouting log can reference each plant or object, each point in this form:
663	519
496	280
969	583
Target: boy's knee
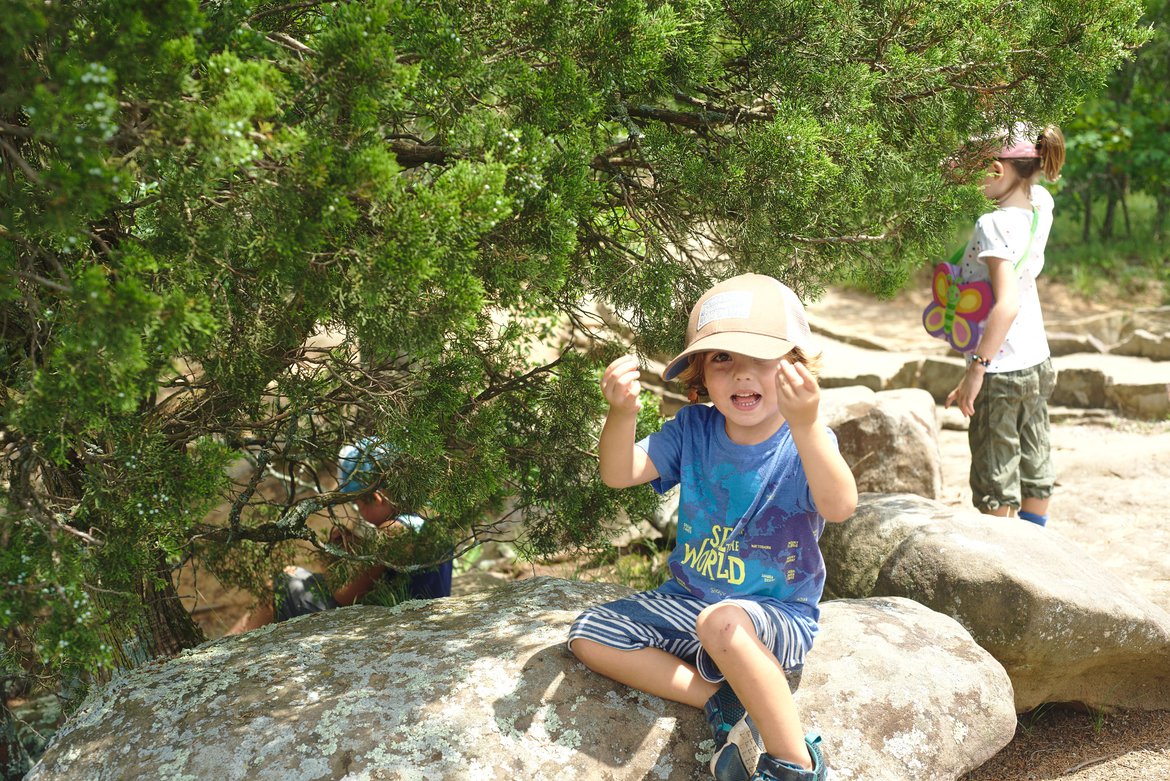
298	592
718	623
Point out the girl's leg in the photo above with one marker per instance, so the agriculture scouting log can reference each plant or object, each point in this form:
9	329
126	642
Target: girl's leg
994	439
729	638
1037	473
648	669
1035	506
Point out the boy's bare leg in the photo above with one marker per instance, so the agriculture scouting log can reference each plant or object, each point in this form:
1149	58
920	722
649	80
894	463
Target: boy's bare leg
729	637
648	669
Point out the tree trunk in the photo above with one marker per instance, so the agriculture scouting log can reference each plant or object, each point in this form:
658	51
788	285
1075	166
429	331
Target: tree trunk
1125	205
167	627
1163	206
1110	212
1087	225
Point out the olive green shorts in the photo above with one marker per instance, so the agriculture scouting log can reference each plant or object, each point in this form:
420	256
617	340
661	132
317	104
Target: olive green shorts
1011	454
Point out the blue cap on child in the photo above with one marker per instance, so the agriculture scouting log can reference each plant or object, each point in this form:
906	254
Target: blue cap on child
356	462
355	465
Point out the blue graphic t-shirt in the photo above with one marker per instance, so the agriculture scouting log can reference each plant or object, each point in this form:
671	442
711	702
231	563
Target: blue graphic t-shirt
747	525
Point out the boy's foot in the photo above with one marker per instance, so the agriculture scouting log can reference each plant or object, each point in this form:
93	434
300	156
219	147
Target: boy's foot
772	769
736	759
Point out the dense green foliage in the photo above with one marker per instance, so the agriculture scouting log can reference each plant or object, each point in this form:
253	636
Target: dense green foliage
1118	172
196	196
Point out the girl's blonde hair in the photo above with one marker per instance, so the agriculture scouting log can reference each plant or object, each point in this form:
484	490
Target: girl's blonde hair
1050	145
692	375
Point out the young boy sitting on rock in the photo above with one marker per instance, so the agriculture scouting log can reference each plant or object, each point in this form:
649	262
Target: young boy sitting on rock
759	475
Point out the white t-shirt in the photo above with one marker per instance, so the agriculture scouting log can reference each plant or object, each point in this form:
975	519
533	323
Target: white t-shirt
1004	233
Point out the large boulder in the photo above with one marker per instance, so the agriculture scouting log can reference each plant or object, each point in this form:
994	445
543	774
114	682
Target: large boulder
843	365
1080	387
941	375
899	691
1133	387
1145	401
483	687
888	439
1064	629
1067	344
1143	344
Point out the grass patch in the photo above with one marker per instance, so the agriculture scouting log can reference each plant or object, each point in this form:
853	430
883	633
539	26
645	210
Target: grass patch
1133	263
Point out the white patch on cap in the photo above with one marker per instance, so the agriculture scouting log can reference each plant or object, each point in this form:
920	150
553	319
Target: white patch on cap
736	303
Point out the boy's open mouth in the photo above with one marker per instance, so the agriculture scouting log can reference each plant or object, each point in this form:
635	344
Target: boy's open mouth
745	401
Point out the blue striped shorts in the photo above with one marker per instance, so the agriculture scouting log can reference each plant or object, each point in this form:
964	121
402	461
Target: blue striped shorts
666	620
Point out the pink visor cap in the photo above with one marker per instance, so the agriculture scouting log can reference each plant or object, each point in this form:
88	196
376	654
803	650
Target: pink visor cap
751	314
1018	144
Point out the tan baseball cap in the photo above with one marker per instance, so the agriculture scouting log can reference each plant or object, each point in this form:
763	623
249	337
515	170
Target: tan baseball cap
752	314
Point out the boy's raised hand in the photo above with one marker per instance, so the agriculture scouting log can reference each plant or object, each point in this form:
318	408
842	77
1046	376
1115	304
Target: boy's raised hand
620	385
797	393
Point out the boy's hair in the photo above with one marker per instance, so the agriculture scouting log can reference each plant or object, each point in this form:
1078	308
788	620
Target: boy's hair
692	375
1049	146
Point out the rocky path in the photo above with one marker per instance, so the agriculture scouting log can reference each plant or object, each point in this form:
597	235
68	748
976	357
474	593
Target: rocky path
1113	472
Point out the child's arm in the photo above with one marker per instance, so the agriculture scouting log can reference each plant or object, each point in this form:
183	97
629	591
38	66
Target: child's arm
999	320
363	582
622	463
359	586
833	488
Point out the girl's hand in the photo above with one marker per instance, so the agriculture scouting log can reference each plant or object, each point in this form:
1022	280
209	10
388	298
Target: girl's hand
620	385
964	395
797	394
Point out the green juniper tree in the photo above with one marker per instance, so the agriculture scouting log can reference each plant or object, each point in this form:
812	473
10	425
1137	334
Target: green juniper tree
236	234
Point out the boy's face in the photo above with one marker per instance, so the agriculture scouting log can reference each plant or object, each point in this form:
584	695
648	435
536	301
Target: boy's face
744	390
375	508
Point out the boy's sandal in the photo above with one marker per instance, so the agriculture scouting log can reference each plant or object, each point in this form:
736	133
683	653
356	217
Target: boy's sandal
772	769
736	760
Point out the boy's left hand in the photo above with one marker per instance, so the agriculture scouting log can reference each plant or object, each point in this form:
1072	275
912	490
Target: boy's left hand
797	394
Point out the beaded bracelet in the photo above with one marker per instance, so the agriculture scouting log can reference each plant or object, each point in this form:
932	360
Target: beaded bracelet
979	359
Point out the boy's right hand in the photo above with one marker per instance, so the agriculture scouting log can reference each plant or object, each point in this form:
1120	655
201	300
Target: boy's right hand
620	386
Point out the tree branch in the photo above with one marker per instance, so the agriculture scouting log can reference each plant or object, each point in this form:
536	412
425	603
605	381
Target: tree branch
289	7
10	152
706	117
16	130
516	382
412	155
859	239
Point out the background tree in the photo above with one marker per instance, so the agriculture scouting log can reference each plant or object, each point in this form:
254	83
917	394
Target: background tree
1119	142
193	192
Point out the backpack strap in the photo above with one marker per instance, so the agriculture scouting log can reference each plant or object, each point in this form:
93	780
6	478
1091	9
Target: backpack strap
1028	247
1019	264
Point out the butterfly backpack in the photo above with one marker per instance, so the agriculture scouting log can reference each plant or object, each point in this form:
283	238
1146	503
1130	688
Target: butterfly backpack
958	310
